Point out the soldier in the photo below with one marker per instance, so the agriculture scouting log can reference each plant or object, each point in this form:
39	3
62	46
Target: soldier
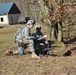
39	37
23	34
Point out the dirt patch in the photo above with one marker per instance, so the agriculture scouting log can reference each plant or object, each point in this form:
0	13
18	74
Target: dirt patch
7	32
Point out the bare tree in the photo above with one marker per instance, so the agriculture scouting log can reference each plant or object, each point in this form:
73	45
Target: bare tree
54	13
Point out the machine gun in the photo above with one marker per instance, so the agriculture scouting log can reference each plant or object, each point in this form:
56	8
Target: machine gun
43	48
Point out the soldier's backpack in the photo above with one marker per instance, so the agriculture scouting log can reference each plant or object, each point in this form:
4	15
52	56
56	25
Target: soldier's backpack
18	32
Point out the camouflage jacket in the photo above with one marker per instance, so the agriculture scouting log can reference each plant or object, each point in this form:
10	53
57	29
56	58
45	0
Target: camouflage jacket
23	33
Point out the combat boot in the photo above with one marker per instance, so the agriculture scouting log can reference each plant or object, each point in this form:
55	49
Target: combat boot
34	55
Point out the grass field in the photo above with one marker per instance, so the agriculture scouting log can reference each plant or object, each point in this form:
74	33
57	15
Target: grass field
25	65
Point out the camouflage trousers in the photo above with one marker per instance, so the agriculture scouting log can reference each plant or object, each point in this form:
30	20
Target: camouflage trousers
21	47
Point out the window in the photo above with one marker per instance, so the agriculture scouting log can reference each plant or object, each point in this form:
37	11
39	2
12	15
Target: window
2	20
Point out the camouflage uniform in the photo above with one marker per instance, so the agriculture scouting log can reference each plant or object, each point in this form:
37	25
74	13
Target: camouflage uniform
24	35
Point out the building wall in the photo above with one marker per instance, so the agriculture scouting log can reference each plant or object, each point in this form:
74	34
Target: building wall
9	19
13	18
4	19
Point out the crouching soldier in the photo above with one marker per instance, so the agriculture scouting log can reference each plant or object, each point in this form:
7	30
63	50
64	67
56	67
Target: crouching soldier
39	37
23	35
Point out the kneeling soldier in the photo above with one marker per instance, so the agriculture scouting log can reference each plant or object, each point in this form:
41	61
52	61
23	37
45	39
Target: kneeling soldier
21	35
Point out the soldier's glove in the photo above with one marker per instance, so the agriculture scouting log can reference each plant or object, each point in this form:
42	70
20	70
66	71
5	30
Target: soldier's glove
25	41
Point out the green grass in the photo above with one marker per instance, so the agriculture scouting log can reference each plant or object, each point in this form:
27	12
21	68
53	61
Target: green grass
25	65
6	37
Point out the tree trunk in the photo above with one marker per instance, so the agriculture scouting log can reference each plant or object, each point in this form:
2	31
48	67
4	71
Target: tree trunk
60	31
54	25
